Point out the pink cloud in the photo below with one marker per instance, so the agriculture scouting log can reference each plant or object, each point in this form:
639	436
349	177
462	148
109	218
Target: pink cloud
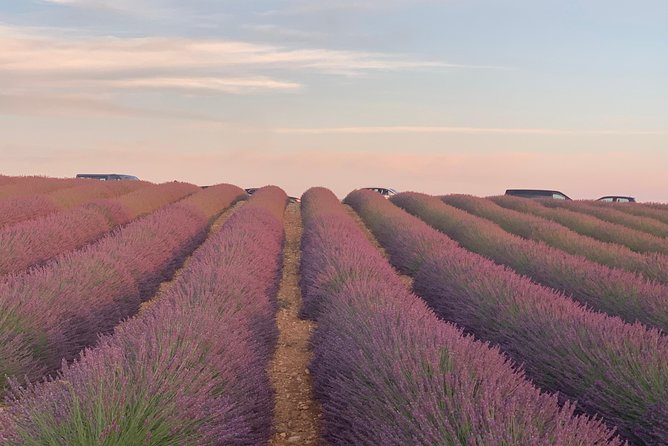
227	85
34	58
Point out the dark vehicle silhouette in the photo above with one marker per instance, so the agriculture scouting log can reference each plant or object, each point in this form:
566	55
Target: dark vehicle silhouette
537	193
107	176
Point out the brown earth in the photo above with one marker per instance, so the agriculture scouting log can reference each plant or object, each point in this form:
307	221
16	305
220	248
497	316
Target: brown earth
297	414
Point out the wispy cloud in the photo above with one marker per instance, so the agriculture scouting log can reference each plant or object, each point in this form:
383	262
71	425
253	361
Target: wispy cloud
118	6
305	7
71	105
280	7
40	60
75	2
41	53
227	85
271	31
459	130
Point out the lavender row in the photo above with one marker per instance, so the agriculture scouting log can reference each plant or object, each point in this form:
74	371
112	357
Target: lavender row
21	186
611	368
5	180
612	215
389	372
657	205
615	291
51	313
188	370
35	241
656	211
17	209
653	266
588	225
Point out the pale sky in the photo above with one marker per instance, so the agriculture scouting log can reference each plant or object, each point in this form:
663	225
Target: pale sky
437	96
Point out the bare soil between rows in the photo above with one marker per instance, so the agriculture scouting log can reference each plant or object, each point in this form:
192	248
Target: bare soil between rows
297	415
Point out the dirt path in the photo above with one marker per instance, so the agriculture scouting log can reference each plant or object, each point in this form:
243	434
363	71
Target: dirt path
296	415
215	226
408	280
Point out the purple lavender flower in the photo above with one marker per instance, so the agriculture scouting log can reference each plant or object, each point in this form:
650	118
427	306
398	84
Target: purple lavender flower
388	371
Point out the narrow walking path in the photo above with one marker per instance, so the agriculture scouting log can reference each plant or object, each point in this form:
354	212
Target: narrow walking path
297	414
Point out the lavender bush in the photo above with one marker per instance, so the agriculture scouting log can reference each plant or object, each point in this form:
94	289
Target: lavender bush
188	370
611	368
16	209
50	313
586	224
647	210
34	241
612	215
28	185
389	372
652	266
617	292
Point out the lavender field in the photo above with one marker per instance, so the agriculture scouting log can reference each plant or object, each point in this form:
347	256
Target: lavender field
134	313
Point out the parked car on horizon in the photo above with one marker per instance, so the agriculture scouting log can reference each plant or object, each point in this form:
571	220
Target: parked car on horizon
537	193
384	191
107	176
617	199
